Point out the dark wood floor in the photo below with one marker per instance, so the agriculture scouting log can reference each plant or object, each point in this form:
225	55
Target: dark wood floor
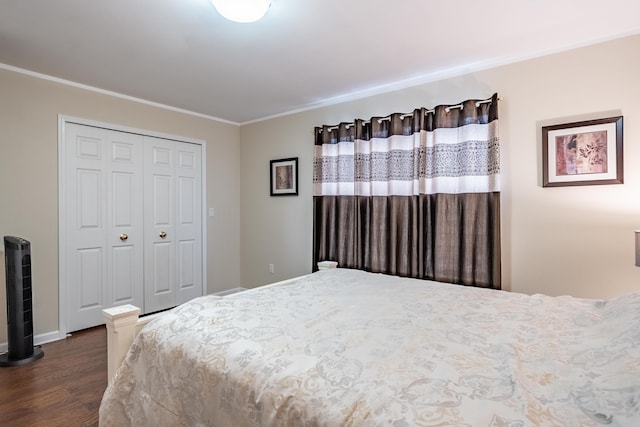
64	388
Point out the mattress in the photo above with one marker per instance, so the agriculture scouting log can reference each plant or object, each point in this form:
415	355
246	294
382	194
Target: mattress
349	348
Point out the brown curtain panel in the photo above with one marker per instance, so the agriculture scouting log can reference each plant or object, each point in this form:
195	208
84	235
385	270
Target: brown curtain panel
413	195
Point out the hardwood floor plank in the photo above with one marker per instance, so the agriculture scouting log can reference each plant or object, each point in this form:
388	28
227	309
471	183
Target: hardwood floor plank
64	388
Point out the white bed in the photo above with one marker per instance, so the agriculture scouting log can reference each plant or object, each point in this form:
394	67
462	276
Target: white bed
347	348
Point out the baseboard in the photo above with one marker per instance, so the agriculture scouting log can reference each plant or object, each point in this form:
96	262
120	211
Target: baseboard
230	291
37	340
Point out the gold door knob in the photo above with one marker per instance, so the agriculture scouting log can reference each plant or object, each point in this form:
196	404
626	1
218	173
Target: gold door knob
123	237
163	234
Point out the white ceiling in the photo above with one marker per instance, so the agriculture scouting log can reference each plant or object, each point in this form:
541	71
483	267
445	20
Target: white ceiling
303	54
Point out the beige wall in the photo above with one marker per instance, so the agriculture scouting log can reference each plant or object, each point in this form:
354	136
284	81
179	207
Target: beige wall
568	240
29	109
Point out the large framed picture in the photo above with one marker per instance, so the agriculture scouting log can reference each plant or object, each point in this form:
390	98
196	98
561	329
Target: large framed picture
583	153
284	177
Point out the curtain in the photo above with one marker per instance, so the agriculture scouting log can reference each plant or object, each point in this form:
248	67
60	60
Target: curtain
413	195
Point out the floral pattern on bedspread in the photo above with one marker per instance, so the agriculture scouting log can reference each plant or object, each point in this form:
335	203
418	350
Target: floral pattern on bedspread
349	348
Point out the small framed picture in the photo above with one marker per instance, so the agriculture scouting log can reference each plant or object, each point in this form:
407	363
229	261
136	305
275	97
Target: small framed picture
583	153
284	177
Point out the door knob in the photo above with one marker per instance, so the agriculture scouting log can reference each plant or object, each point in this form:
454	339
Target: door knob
123	237
163	234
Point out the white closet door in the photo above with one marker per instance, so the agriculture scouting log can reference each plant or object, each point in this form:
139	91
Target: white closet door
160	224
188	221
103	222
125	234
173	223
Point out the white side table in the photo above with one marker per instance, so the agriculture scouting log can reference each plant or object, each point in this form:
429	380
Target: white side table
325	265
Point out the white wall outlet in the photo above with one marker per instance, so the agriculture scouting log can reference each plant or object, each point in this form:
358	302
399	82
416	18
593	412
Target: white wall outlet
272	268
212	211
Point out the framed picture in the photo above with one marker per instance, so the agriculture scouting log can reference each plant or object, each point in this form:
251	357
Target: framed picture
284	177
582	153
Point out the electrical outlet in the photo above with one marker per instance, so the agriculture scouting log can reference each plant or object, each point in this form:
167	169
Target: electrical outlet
272	268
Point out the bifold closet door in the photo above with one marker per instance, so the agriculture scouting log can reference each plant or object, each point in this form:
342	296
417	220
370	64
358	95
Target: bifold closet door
173	225
104	223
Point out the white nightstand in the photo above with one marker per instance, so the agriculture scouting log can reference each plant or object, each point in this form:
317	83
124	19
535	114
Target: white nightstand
325	265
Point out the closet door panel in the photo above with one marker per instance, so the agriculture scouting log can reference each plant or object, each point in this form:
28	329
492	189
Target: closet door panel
124	274
161	190
189	223
160	229
89	199
86	256
123	199
162	262
103	211
89	274
173	233
126	265
125	218
186	253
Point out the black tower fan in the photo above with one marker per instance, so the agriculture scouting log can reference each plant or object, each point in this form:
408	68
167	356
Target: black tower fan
17	257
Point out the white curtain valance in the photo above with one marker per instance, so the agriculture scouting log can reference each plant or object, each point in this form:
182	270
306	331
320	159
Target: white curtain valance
410	158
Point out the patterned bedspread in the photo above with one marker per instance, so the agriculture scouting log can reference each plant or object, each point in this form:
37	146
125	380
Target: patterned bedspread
349	348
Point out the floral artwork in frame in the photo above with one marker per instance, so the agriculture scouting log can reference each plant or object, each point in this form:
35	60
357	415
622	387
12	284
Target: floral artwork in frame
582	153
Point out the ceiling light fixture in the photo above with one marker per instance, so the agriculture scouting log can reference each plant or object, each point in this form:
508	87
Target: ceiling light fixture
242	10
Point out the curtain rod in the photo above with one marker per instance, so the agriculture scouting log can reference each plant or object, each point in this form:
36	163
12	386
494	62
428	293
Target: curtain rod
402	116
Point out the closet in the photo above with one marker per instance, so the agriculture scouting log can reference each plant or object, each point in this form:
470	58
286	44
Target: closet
131	222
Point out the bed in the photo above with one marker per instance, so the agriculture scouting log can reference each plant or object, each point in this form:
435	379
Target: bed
344	347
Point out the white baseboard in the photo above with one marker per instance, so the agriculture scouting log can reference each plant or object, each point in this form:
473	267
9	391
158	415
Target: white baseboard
230	291
37	340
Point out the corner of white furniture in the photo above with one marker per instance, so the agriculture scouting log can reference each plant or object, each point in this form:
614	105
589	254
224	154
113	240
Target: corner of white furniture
325	265
122	327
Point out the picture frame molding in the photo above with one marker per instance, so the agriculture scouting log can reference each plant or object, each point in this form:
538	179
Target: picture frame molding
550	177
290	178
